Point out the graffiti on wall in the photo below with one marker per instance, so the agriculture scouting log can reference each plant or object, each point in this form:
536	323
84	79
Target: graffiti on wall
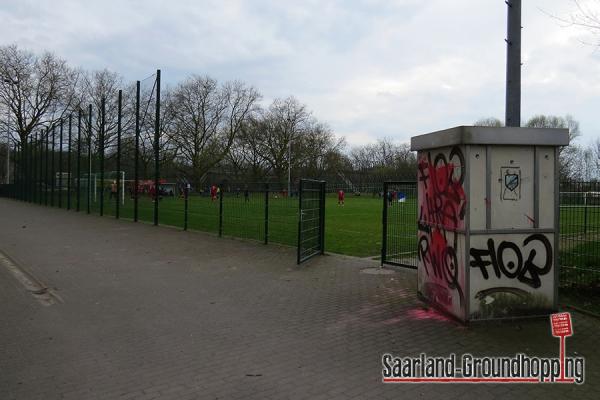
442	206
511	275
526	270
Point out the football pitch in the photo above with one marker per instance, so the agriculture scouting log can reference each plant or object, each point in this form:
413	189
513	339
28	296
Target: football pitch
353	229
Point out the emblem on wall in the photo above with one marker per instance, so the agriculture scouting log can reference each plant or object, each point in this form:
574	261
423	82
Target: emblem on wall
511	183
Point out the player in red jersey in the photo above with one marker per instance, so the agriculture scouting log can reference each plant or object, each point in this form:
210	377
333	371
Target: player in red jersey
341	196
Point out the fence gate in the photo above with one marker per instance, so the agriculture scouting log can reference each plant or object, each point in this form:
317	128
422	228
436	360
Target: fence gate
311	220
399	239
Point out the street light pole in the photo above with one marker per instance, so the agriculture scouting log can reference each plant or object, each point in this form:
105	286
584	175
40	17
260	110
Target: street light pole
513	64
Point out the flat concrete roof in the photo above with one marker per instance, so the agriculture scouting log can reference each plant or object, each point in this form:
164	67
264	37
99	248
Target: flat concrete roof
491	135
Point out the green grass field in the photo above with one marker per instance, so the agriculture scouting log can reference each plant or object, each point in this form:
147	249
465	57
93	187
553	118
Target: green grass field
354	229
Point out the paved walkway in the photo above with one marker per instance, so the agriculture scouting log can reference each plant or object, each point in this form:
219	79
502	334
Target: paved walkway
156	313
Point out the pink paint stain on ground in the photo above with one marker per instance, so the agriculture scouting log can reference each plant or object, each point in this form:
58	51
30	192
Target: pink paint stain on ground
429	314
418	314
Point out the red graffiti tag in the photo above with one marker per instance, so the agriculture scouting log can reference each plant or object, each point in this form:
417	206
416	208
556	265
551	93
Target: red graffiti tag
443	200
442	206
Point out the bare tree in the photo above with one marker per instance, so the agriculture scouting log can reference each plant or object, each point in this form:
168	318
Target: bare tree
37	89
317	148
382	154
246	153
104	84
568	155
489	121
586	15
595	150
285	121
207	117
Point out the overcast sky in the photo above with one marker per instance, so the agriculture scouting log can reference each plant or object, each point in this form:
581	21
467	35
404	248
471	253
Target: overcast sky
369	68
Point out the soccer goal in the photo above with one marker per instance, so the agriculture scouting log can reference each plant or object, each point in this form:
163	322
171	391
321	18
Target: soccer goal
61	180
88	183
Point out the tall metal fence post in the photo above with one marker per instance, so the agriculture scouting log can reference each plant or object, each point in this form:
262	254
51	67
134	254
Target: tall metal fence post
157	147
46	167
24	169
384	223
15	173
41	165
16	178
78	185
102	132
32	168
33	164
52	180
69	177
27	151
31	185
119	194
221	193
267	213
28	146
300	188
322	216
136	178
89	175
21	170
60	164
585	213
186	193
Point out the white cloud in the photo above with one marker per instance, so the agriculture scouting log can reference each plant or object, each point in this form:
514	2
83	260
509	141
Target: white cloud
370	68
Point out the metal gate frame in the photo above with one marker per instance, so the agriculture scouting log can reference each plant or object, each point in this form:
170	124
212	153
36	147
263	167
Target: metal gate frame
385	224
320	248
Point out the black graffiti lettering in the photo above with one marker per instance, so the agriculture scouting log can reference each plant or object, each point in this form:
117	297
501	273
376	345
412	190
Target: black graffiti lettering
424	252
493	258
440	260
527	272
510	270
455	152
478	261
535	271
450	267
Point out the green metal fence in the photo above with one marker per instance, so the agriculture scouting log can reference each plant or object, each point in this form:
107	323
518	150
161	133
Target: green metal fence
580	234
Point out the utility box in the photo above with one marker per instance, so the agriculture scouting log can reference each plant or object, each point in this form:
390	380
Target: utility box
488	220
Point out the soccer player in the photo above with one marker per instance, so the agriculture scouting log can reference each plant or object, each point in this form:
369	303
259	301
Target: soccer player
113	190
341	195
152	193
213	192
